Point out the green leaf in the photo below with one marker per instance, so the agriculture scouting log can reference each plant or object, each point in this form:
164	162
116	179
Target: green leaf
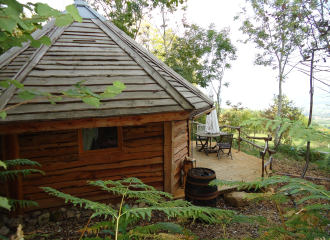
45	40
63	20
7	24
4	84
3	36
72	10
113	89
119	85
3	114
35	44
108	95
2	164
46	11
16	83
26	95
95	102
4	203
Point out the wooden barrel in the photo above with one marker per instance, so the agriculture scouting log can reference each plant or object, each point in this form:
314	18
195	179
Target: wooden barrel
197	190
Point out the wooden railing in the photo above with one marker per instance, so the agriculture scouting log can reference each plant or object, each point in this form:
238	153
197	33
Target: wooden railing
262	153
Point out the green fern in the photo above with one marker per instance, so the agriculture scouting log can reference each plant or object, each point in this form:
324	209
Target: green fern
308	221
22	203
125	216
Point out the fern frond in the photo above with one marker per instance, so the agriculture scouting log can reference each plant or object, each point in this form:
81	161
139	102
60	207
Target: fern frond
99	208
16	173
22	203
21	162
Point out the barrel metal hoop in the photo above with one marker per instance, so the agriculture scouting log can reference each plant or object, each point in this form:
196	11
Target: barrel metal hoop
198	177
202	198
198	184
204	194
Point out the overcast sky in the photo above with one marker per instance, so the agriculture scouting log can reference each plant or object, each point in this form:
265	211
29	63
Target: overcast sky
254	86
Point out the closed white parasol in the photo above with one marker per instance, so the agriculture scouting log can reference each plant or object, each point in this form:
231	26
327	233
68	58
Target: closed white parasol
212	124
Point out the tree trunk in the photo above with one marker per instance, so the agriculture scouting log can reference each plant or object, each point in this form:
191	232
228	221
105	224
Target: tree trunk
311	92
279	104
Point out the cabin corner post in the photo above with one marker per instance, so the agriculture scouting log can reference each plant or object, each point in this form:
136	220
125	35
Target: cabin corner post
169	157
14	188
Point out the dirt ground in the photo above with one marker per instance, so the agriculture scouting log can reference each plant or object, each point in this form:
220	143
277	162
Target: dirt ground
67	229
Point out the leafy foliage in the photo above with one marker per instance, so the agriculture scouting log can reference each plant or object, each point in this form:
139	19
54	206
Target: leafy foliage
12	173
305	220
16	28
79	91
135	188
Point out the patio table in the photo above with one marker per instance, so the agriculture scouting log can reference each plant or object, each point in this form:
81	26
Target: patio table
208	136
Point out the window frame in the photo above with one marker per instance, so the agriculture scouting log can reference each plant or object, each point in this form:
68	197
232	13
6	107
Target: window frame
82	152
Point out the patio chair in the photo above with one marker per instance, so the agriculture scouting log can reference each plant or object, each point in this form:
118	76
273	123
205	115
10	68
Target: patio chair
200	128
225	142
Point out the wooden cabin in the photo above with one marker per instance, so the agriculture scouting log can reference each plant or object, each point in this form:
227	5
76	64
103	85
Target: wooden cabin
142	132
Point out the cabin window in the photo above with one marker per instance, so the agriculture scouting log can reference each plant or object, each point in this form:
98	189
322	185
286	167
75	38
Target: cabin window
101	138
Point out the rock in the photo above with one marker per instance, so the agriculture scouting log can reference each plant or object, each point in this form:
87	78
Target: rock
78	215
135	206
5	219
26	217
118	206
87	213
15	222
74	208
4	231
35	214
32	222
236	199
56	216
44	211
63	209
43	219
68	214
142	204
2	223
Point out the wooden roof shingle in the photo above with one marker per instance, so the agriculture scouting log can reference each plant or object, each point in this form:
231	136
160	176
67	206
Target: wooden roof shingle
97	52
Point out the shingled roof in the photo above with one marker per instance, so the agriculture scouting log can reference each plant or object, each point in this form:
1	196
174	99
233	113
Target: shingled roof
99	53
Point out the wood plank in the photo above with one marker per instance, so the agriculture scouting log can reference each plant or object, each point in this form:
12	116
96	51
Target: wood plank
84	25
44	107
54	145
152	168
180	156
62	40
182	89
49	152
195	99
84	30
87	37
96	113
43	138
201	105
85	44
69	57
86	73
105	49
87	63
61	158
180	140
114	52
180	147
180	124
190	139
13	128
14	188
161	81
78	186
5	97
123	96
102	67
168	156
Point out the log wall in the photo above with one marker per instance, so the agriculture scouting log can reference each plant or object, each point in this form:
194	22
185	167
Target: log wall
141	156
181	144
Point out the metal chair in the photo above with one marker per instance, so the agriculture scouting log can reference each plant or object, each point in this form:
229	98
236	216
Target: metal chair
200	128
225	142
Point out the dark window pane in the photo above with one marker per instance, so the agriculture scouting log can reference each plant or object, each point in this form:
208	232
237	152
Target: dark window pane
100	138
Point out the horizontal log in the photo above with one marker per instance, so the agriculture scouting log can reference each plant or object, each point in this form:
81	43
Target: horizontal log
17	128
79	186
179	124
144	131
181	140
49	152
53	145
179	156
103	162
179	148
257	146
139	142
91	175
79	183
30	140
145	148
61	158
44	107
86	73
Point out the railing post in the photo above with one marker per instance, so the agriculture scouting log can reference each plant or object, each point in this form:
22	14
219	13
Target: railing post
239	139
